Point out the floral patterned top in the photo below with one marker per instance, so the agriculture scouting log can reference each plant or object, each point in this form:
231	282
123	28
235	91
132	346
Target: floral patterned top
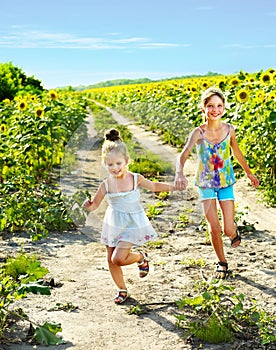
214	167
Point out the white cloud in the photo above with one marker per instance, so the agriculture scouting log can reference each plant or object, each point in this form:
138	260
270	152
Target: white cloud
24	38
160	45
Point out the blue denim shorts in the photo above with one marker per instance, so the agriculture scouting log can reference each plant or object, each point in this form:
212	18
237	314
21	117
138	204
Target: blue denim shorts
222	194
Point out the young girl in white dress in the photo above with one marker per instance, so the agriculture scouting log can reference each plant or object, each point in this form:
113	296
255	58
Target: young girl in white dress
125	222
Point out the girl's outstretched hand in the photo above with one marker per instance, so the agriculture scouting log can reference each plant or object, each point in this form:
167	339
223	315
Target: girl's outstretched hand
180	182
87	203
254	180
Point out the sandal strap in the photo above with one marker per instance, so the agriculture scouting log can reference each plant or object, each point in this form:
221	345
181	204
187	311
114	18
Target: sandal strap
222	263
122	291
121	297
146	268
145	258
219	270
236	239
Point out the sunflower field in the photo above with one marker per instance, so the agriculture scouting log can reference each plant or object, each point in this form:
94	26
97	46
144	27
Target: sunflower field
171	109
34	129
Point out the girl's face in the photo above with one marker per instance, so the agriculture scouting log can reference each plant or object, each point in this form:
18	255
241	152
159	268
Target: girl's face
214	108
116	164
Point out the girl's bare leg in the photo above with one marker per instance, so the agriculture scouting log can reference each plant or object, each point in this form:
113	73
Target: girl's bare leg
115	270
211	214
229	227
121	256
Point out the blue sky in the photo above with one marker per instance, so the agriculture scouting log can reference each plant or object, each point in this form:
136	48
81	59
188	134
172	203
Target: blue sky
72	42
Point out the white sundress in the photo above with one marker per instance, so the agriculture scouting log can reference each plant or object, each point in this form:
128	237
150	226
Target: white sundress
125	219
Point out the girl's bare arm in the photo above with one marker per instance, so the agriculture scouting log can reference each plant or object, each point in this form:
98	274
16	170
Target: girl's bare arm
180	180
97	199
154	186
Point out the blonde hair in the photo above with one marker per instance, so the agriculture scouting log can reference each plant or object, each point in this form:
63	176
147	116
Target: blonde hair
209	93
113	142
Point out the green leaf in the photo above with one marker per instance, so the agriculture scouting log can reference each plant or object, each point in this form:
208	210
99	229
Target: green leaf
45	335
207	296
194	301
255	316
238	308
272	117
34	288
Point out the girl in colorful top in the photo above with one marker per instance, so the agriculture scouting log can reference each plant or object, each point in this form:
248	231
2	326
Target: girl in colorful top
214	176
125	223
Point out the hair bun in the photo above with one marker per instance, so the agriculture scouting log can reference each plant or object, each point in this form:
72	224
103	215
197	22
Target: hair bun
113	135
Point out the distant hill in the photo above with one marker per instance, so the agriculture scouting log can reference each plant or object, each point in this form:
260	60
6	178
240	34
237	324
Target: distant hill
117	82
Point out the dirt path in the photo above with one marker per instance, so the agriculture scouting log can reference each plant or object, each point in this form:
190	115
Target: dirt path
77	262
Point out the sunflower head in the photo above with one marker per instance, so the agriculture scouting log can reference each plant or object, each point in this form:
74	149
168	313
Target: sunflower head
234	81
221	83
39	112
242	95
265	78
53	95
271	96
260	95
22	105
3	128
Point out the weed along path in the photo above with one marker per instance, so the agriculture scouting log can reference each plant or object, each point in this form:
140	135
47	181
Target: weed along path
81	299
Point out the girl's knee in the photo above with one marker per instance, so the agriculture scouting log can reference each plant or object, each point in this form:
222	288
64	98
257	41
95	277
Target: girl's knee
117	260
215	229
215	234
109	260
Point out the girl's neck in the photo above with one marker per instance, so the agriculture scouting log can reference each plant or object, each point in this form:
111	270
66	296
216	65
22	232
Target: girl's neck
214	125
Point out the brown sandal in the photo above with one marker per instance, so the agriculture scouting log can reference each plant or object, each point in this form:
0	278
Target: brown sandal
143	265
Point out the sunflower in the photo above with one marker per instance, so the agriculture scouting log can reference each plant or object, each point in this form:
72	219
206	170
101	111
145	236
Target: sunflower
39	112
6	101
250	80
3	128
234	81
5	169
22	105
193	88
221	83
242	95
271	96
53	95
260	95
265	78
